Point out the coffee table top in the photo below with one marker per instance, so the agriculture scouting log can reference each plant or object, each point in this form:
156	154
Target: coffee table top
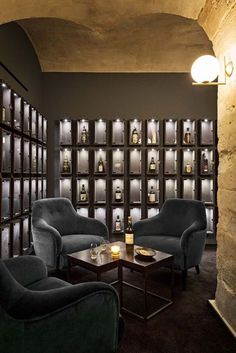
105	260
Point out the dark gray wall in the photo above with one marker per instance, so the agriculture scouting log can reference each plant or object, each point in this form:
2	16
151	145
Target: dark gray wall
18	55
59	95
122	95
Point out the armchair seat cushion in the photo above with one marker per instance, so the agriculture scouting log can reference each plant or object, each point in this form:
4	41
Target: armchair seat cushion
165	243
48	283
78	242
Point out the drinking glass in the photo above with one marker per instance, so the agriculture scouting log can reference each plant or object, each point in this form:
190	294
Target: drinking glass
104	244
93	251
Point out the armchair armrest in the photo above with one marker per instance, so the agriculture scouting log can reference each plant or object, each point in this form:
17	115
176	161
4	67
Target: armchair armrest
90	226
191	232
47	241
26	269
37	305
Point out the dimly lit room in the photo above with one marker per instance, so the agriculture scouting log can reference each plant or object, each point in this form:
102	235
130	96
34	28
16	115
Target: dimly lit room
117	176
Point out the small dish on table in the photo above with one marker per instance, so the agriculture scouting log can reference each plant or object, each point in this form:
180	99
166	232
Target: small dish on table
145	253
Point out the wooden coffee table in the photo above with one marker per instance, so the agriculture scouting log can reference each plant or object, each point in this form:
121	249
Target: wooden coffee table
105	262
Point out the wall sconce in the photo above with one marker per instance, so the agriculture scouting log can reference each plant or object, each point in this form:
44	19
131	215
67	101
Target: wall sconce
206	69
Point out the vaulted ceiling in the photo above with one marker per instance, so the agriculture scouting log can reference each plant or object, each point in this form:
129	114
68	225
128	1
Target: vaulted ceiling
112	36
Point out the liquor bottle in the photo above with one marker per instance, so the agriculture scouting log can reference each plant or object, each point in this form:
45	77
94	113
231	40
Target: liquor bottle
129	236
152	195
101	168
187	136
152	166
205	167
84	135
66	164
34	163
134	137
188	168
118	224
3	113
83	194
154	137
118	195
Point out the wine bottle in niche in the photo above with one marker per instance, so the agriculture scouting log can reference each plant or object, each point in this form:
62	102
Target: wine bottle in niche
187	136
129	236
152	166
118	194
84	135
34	163
101	168
152	195
118	224
188	169
134	136
3	113
83	194
66	164
205	167
154	138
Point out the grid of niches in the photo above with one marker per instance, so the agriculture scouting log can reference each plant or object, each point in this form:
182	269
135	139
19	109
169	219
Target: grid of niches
23	161
148	161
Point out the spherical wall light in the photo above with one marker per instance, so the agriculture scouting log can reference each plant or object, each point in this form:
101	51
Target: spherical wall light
205	69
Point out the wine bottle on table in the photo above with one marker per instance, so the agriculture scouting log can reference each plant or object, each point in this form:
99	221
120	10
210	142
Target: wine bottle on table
129	236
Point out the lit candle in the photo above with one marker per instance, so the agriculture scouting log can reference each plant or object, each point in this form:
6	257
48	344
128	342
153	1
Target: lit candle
115	250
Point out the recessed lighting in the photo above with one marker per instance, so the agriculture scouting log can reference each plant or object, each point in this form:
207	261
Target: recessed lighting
188	120
4	85
100	150
100	120
15	95
206	150
135	149
206	120
83	149
118	120
152	120
65	120
188	150
118	150
83	120
135	120
152	149
170	149
170	120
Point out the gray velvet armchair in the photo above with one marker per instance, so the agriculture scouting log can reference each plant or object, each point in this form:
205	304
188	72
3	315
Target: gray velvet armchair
179	229
58	230
40	314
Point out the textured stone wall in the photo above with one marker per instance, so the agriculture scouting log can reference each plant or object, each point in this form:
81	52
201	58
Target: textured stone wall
222	28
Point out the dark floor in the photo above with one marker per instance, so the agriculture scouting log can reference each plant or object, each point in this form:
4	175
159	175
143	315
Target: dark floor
188	326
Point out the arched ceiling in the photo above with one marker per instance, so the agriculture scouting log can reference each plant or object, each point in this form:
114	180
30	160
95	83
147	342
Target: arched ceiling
153	43
111	36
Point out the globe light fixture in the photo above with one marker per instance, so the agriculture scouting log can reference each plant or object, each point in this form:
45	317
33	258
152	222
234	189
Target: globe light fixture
206	69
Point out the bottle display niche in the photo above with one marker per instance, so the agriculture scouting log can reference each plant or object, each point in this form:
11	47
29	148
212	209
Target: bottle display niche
23	169
113	169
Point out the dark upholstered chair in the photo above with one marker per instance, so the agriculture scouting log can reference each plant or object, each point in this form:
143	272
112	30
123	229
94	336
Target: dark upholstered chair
58	230
179	229
40	314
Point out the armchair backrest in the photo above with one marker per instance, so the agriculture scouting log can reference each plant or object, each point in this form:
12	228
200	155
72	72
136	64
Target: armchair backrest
57	212
179	214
